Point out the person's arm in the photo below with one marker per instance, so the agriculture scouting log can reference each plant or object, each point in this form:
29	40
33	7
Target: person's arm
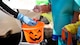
42	6
42	9
75	17
17	15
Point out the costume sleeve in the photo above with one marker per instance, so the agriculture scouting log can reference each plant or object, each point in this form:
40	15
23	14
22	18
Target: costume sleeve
76	7
72	28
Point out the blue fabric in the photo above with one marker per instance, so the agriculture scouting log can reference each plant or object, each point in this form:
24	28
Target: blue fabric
61	42
78	2
78	32
62	12
54	37
76	7
26	19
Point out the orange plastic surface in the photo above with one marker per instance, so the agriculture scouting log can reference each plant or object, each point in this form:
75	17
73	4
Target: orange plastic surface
34	34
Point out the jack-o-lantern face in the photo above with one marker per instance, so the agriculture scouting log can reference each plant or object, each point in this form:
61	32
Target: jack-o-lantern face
35	35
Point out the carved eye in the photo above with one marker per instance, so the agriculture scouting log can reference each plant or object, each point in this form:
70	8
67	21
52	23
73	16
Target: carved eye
30	33
39	31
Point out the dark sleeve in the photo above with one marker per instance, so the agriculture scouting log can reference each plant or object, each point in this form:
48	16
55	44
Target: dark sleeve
8	9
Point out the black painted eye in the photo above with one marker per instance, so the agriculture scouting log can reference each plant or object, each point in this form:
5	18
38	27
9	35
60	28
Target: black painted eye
39	31
30	33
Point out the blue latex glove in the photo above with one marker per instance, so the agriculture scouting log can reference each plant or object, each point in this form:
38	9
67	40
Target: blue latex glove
78	2
26	19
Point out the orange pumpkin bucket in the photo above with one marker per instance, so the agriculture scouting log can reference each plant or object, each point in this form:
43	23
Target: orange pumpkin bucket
34	34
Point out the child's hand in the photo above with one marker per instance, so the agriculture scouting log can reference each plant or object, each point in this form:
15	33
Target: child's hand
26	19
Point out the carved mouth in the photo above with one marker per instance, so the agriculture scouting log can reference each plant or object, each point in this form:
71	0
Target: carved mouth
35	38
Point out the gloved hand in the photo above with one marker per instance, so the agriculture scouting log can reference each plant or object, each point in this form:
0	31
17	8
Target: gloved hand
26	19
